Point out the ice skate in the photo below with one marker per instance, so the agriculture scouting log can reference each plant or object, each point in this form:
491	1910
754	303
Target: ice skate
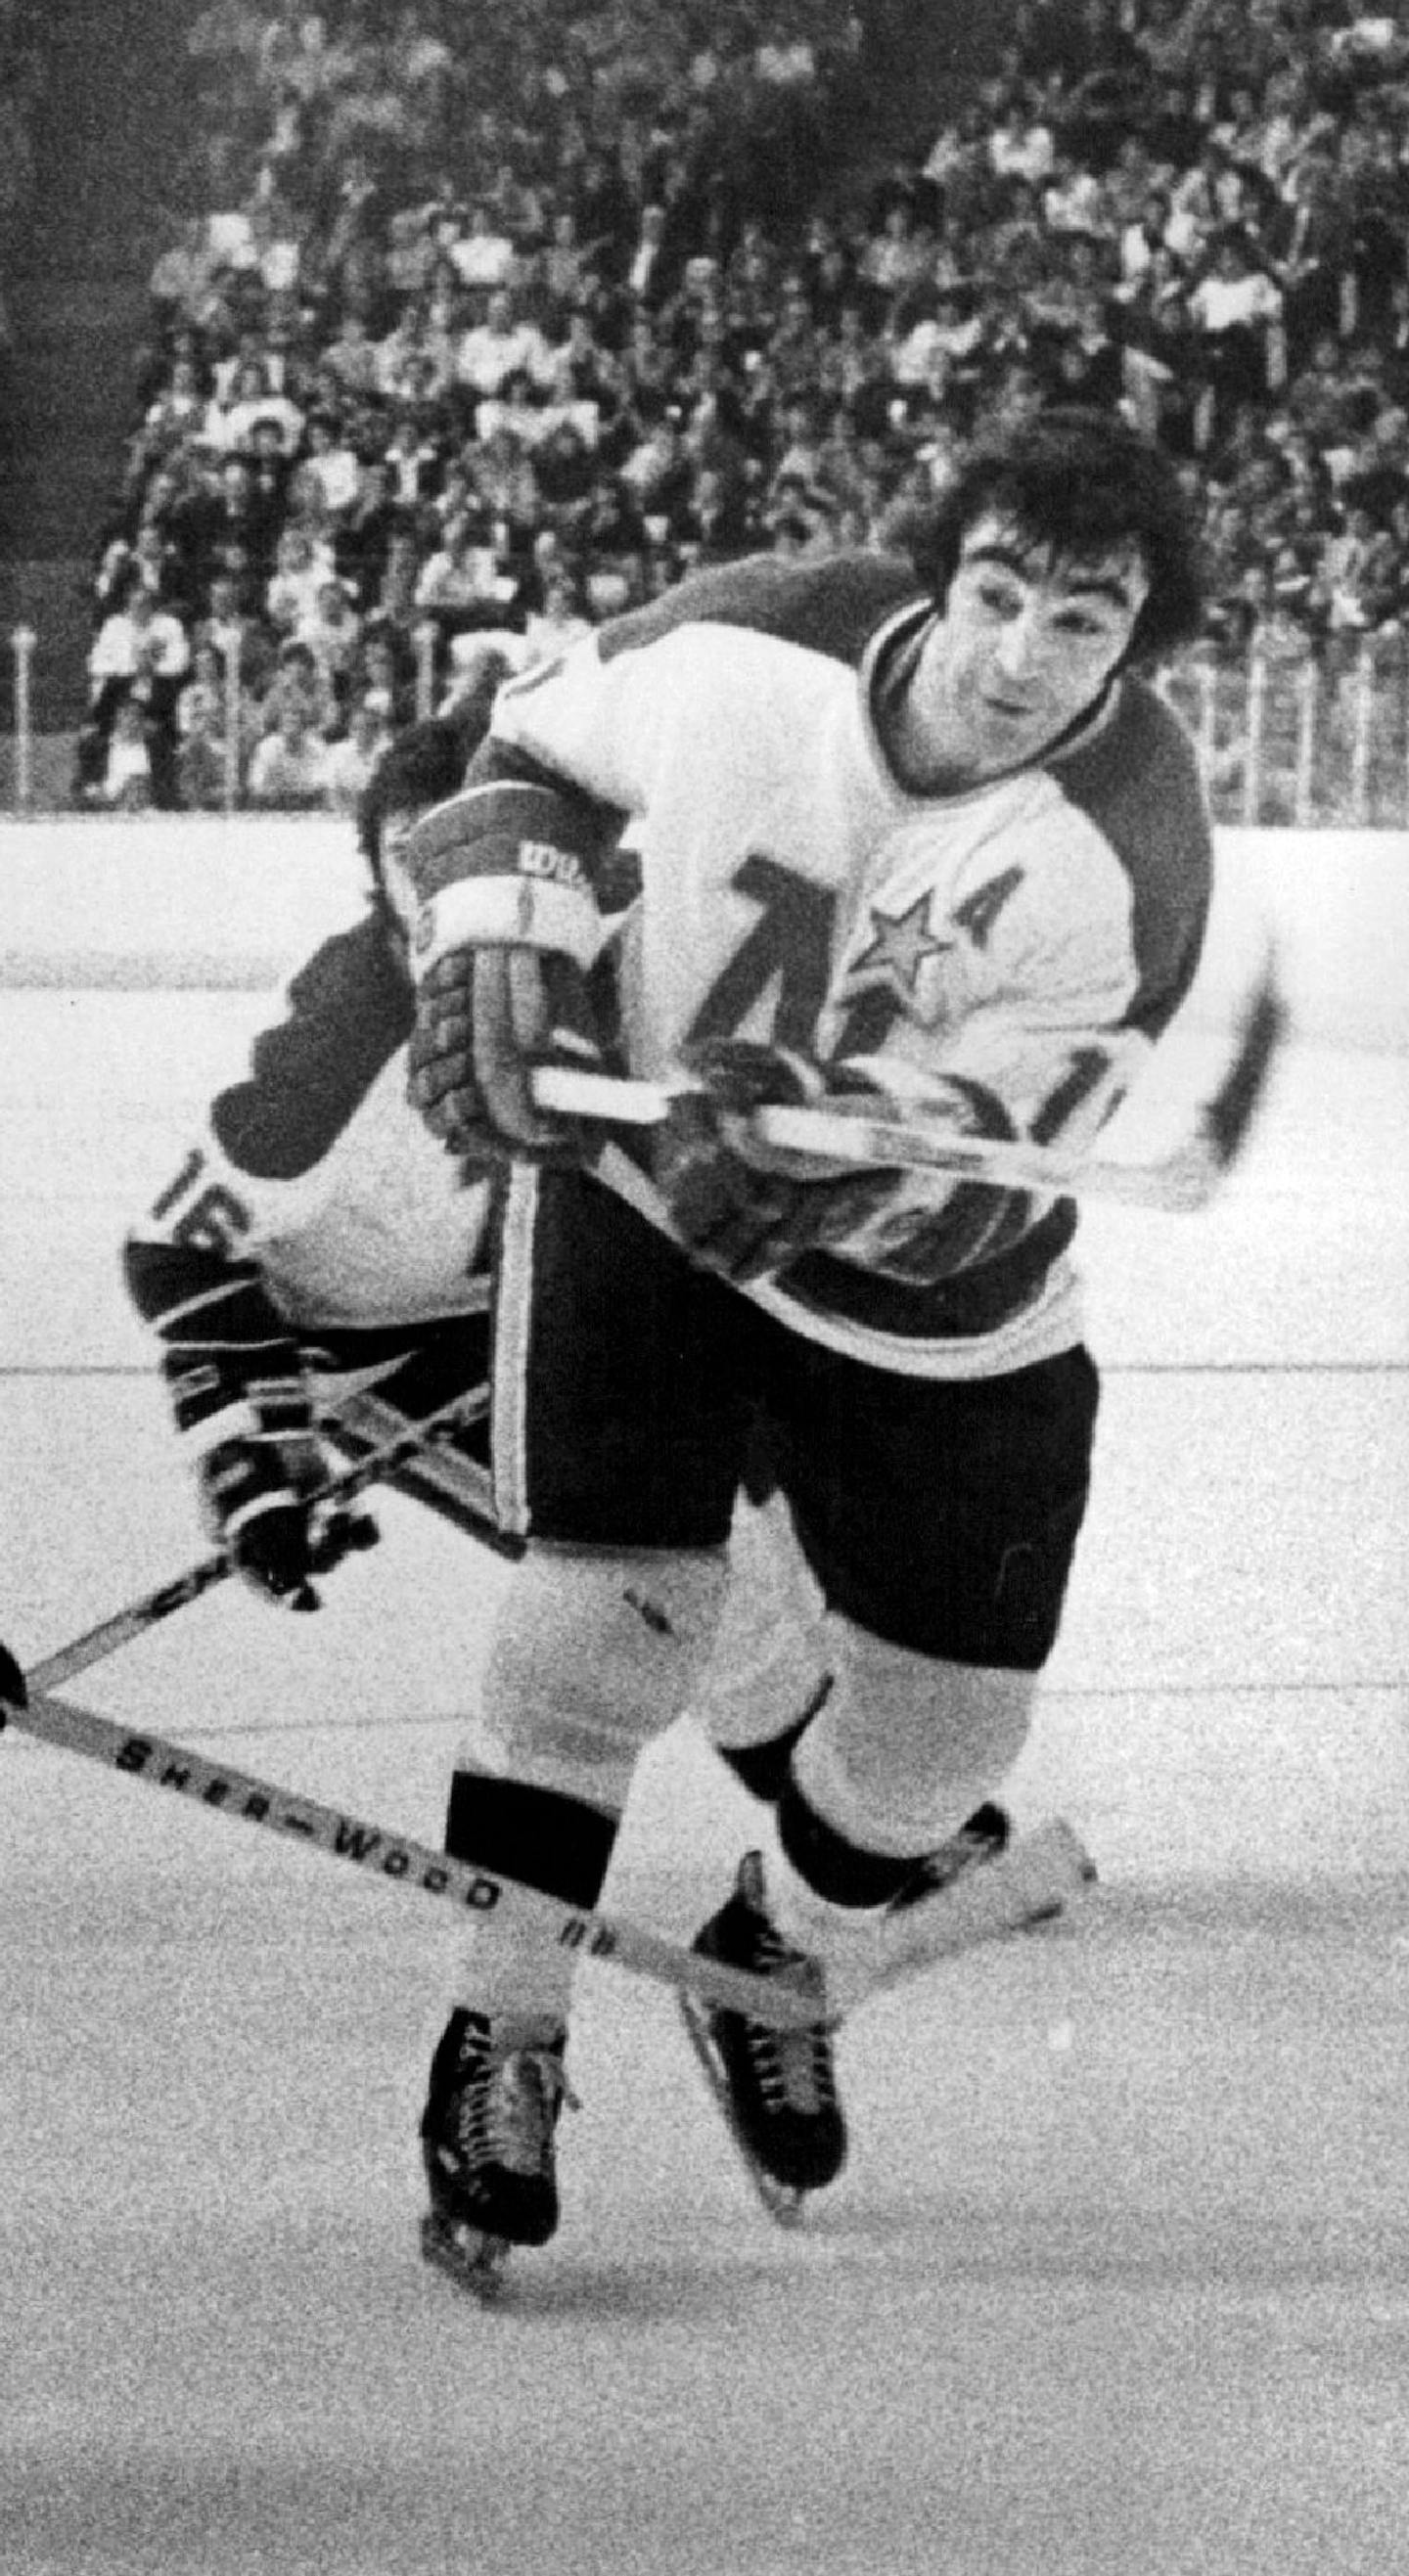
777	2089
487	2143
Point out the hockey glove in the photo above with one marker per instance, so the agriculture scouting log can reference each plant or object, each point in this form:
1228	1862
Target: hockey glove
245	1420
507	929
745	1209
259	1499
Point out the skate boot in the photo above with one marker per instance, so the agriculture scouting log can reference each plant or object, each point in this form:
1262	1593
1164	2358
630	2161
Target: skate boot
487	2143
776	2088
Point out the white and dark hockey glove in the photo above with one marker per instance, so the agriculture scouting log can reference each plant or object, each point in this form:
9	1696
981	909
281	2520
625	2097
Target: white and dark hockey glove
742	1208
259	1498
505	932
245	1420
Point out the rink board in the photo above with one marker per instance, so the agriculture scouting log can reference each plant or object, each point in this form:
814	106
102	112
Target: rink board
206	901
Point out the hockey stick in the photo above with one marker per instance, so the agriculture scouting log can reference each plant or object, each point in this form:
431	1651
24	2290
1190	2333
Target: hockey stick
441	1476
67	1662
392	1857
1034	1882
1179	1182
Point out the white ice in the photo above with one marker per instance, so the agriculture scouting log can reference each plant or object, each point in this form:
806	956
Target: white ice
1117	2281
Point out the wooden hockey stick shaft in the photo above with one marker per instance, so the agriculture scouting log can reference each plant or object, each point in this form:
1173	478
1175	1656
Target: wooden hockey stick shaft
1178	1182
67	1662
394	1859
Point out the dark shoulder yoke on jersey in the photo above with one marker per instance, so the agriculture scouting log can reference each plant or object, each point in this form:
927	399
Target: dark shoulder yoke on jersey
832	606
1137	781
348	1010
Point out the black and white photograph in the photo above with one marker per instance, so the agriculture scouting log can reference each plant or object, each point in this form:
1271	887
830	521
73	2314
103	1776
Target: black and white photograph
704	1288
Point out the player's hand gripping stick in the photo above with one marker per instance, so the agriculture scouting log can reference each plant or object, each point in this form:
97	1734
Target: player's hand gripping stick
1180	1182
68	1661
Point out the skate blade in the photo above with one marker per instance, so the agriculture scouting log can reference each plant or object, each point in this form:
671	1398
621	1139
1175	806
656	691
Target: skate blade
783	2201
474	2261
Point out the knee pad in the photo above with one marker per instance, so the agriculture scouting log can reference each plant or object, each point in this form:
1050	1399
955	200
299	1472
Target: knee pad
594	1653
906	1747
769	1654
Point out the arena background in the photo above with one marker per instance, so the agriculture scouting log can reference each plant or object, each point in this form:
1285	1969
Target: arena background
1119	2275
878	227
107	105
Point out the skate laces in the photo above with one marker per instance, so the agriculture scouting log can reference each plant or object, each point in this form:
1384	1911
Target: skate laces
507	2104
793	2067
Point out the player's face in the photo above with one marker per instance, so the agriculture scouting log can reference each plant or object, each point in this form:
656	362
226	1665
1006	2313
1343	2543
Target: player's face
396	823
1025	644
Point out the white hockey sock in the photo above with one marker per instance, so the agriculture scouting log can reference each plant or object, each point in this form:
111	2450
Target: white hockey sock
594	1653
906	1748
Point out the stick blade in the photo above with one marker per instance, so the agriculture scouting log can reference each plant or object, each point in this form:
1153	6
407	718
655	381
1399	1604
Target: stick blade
1229	1114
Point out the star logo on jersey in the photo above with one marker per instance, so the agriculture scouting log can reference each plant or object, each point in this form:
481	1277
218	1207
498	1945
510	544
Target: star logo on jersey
897	953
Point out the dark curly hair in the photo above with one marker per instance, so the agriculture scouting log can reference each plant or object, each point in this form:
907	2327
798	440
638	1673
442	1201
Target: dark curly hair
427	762
1077	484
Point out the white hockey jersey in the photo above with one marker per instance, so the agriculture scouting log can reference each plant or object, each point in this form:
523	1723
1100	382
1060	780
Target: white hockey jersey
316	1166
1009	954
371	1242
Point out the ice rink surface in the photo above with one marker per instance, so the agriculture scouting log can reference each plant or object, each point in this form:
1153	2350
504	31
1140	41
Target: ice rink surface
1117	2280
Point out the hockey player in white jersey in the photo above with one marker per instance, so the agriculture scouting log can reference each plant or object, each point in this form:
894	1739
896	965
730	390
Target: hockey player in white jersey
916	834
317	1272
313	1266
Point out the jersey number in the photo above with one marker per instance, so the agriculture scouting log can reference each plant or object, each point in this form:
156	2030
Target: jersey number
215	1219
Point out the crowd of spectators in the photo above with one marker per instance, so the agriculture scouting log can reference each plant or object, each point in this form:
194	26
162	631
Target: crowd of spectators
21	93
485	330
